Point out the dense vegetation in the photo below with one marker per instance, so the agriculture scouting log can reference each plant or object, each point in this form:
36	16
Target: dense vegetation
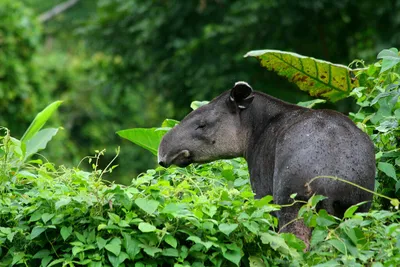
149	59
122	64
202	215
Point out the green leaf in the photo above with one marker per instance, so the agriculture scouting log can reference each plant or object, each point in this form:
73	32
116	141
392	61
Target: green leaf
40	120
117	261
169	123
198	240
66	232
46	217
101	243
317	77
293	241
252	227
339	245
114	217
17	257
388	169
149	138
314	200
274	241
311	103
318	235
169	239
45	260
146	227
233	256
150	250
324	219
175	208
114	246
36	231
131	246
331	263
263	201
62	202
41	253
227	228
37	215
196	104
350	211
76	250
395	203
170	252
255	261
39	141
148	205
390	58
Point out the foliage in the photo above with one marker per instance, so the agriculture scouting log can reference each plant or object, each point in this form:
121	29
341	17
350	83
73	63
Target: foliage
199	216
379	115
148	59
317	77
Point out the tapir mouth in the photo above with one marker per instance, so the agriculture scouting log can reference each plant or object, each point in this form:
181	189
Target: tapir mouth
182	159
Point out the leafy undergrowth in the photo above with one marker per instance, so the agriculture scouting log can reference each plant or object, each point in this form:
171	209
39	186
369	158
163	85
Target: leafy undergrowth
197	216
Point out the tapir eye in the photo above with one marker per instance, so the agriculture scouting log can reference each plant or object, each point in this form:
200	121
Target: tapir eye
201	125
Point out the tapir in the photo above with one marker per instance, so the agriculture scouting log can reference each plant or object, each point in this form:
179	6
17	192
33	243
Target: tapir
285	146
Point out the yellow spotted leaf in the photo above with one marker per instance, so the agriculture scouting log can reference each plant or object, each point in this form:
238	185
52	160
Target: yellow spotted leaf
317	77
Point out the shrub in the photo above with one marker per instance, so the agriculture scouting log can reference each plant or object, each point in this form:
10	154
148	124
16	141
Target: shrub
379	116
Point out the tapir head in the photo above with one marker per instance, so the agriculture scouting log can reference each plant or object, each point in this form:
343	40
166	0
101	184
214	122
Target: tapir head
213	131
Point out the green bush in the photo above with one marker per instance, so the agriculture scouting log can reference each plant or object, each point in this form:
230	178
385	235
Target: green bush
203	215
379	116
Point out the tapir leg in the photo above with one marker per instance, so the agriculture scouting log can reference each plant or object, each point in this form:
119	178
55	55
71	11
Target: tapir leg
289	223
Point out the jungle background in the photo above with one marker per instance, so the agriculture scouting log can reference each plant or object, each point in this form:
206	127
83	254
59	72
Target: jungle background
121	64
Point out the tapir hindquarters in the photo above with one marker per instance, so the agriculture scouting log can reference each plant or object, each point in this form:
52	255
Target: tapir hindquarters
313	148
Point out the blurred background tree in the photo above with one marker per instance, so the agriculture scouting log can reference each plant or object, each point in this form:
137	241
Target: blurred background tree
131	63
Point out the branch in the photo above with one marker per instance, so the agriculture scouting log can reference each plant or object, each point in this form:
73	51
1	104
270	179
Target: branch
57	10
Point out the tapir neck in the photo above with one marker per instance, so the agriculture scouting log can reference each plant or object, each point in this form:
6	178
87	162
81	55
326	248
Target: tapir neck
259	116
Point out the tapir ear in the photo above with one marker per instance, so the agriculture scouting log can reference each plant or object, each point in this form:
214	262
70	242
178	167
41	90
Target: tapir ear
241	95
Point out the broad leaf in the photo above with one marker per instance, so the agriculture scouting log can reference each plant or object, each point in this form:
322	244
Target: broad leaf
36	231
39	141
101	243
47	216
390	58
147	138
388	169
227	228
146	227
131	245
148	205
39	121
233	256
114	246
311	103
317	77
196	104
171	241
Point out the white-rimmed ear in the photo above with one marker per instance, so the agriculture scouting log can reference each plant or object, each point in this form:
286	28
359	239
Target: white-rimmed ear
241	95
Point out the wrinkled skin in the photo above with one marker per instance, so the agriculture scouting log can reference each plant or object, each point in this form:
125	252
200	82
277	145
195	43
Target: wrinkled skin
285	146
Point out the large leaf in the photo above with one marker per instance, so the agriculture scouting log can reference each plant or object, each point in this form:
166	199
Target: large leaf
390	58
39	141
147	138
317	77
39	121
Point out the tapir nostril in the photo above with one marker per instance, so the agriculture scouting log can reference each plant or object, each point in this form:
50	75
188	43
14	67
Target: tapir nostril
162	163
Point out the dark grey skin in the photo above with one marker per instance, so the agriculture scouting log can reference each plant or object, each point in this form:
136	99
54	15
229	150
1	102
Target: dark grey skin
285	146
